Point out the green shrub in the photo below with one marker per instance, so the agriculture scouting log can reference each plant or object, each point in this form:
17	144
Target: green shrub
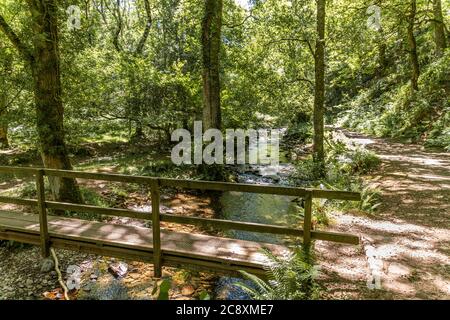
344	165
289	278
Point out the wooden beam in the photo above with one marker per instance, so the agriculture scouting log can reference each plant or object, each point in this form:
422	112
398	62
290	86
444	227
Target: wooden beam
156	228
232	225
335	237
336	195
19	170
191	184
98	210
20	202
45	238
238	187
307	222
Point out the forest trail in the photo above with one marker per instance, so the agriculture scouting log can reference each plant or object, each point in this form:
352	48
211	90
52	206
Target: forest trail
405	251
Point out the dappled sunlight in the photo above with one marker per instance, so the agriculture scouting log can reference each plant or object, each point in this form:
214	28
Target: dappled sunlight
406	240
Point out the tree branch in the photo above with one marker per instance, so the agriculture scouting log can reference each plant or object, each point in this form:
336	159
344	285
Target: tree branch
148	25
15	40
311	50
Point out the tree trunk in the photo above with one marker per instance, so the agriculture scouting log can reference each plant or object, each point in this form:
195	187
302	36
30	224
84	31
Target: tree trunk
211	41
49	106
319	95
382	58
412	43
4	143
439	28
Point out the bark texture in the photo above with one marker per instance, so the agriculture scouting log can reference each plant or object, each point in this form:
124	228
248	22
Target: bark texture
319	94
44	59
439	28
412	44
211	41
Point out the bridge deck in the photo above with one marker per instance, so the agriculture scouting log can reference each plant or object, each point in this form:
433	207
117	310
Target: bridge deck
178	248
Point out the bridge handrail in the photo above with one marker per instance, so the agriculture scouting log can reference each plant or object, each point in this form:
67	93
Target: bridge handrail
155	184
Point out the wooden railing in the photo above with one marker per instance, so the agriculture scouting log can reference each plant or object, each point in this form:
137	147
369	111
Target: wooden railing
156	216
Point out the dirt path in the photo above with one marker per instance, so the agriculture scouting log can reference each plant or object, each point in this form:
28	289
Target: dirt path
405	252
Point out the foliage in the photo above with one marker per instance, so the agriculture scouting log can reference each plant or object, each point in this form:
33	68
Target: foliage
345	163
290	278
161	290
388	109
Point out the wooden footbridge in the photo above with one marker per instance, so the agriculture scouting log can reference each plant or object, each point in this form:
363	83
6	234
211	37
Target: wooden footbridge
156	245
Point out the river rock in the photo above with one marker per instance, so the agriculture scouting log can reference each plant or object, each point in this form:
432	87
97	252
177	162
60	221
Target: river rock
47	265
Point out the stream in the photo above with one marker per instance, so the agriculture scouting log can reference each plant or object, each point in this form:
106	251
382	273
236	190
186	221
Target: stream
259	208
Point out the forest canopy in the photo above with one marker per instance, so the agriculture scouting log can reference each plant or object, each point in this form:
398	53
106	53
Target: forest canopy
132	69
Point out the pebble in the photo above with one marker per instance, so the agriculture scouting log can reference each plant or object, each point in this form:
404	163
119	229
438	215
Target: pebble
47	265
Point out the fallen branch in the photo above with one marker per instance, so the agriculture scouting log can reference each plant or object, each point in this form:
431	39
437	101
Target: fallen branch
60	278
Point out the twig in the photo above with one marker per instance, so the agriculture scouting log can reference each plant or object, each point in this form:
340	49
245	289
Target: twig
60	278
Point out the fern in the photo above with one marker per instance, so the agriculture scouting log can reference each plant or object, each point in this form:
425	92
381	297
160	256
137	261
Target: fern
290	278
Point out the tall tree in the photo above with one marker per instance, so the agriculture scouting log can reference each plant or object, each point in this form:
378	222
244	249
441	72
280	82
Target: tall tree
412	46
319	94
5	63
211	43
439	28
4	142
44	59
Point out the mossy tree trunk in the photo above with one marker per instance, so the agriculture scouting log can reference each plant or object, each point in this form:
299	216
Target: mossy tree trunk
412	44
319	94
4	142
44	60
5	69
439	28
48	99
211	43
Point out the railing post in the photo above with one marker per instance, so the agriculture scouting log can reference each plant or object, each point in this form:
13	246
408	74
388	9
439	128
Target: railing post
307	222
156	228
43	224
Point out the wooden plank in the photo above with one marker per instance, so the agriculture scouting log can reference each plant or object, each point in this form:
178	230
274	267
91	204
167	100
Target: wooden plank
156	229
195	246
29	171
335	237
232	225
20	202
237	187
99	210
205	222
336	195
190	184
100	176
171	260
45	239
307	221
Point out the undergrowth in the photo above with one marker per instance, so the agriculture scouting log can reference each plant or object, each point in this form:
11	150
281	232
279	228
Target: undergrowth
388	108
345	164
289	278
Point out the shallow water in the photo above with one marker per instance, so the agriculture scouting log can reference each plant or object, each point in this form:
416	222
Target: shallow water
258	208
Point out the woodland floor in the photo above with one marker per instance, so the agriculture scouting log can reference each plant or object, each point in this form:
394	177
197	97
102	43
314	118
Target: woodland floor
406	242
